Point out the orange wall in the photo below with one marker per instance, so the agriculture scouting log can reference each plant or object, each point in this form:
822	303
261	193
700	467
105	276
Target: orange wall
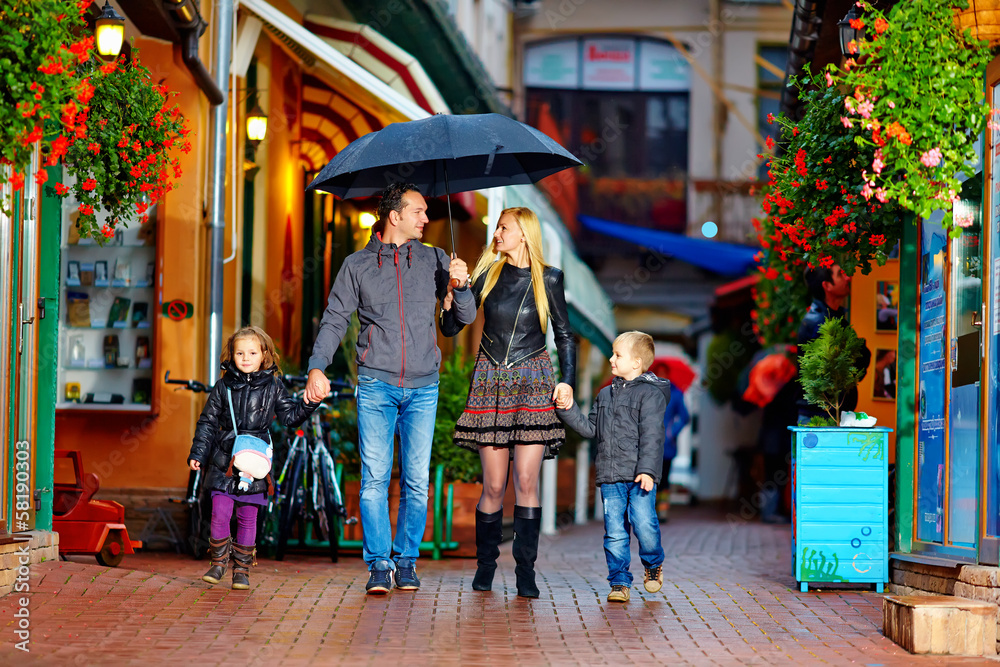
863	311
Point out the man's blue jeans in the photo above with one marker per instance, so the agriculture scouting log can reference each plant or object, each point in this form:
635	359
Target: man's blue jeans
627	505
384	410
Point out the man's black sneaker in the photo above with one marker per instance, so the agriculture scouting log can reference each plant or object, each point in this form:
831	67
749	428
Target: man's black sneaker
406	577
379	582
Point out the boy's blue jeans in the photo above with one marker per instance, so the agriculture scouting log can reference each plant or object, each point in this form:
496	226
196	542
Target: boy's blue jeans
380	407
627	505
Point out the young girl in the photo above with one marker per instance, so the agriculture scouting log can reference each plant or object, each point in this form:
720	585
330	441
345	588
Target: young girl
251	390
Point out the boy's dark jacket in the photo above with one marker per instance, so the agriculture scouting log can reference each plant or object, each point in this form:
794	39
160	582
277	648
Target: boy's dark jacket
256	398
627	422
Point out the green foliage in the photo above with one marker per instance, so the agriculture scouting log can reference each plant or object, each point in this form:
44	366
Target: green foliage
39	51
821	422
827	366
121	157
460	464
916	88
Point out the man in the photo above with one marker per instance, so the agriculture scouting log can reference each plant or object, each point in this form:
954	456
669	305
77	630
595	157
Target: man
394	284
829	288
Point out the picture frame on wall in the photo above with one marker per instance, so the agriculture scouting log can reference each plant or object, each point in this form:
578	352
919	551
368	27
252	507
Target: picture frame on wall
884	375
886	305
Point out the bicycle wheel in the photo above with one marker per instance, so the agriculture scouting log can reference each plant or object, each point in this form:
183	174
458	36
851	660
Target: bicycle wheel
332	510
292	497
200	524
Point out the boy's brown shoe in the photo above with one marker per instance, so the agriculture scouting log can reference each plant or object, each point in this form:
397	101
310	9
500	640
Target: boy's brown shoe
619	594
653	580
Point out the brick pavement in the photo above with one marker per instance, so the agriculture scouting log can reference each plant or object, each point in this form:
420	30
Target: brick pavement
728	599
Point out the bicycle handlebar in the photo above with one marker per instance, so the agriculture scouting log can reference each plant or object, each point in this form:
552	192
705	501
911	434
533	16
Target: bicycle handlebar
190	385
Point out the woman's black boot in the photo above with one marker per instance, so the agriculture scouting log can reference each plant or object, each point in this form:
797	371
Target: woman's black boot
489	533
527	523
218	551
244	557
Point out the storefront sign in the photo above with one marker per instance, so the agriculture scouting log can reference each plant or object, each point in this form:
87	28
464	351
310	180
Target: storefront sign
662	68
553	65
609	64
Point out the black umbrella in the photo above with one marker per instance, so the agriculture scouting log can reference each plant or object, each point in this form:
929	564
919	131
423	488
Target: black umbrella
444	154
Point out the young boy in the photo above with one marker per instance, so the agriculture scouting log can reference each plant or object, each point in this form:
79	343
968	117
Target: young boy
627	422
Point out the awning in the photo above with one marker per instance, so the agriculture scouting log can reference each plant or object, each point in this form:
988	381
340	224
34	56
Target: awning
426	30
590	309
727	259
338	70
373	51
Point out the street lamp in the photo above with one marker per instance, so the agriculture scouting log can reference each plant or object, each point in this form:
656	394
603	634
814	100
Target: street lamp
366	220
850	36
109	32
256	125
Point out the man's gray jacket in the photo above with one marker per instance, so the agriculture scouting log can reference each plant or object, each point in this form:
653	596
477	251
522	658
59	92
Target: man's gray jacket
395	291
627	421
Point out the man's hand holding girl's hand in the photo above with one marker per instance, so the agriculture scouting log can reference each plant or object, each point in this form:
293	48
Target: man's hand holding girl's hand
563	396
317	387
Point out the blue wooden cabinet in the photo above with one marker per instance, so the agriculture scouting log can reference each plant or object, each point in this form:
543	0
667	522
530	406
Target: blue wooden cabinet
840	507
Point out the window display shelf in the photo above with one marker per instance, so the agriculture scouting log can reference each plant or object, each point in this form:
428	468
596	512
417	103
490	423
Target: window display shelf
109	313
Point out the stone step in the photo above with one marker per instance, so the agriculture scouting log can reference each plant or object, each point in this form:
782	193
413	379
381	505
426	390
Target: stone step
940	624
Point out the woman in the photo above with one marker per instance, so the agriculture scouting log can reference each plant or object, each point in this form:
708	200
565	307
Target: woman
509	415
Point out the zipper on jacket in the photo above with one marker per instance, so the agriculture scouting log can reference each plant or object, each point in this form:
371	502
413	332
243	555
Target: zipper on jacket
514	328
369	345
402	330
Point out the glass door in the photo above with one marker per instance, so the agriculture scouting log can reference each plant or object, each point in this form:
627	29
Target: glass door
965	315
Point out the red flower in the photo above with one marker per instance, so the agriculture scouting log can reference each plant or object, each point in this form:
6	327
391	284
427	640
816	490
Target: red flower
32	136
94	148
795	131
108	68
877	239
41	176
16	180
857	24
881	25
821	185
61	189
89	184
828	159
769	142
770	118
86	209
770	273
107	231
53	67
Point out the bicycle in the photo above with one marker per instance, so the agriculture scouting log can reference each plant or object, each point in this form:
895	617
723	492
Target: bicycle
308	490
198	502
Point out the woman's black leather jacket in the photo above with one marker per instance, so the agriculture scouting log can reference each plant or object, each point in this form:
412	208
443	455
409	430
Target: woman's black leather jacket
257	397
511	332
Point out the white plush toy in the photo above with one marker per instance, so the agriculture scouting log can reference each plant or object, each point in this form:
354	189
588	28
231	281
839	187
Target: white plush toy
252	460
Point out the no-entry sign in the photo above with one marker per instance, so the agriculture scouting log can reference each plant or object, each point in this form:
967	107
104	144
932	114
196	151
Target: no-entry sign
178	310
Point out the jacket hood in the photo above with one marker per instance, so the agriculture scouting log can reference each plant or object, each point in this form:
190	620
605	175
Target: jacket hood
384	251
235	378
647	378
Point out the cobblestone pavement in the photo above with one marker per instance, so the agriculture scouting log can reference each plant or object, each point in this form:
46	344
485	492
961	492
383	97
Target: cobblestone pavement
728	599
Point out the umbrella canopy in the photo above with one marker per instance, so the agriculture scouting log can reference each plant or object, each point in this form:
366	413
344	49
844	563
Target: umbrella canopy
674	369
768	372
444	154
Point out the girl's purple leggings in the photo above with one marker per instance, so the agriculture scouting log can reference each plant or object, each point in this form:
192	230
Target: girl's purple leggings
246	520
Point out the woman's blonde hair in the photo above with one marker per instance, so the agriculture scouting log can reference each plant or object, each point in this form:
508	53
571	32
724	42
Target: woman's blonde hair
268	353
491	266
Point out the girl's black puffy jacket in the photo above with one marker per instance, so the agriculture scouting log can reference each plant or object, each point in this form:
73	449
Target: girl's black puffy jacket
257	397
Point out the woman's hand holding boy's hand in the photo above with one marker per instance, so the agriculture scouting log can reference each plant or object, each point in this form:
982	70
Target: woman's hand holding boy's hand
645	482
194	465
563	396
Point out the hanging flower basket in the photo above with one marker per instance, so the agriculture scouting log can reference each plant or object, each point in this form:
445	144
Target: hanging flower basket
982	17
122	157
40	49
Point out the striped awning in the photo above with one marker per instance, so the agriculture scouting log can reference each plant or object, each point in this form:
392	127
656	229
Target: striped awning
377	54
330	121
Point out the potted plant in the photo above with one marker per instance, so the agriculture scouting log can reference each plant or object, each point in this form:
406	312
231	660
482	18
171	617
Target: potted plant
839	474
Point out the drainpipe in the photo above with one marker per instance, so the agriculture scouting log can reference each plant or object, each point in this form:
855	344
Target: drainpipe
189	54
222	18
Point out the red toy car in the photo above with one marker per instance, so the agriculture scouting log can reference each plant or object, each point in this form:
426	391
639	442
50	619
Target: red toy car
87	526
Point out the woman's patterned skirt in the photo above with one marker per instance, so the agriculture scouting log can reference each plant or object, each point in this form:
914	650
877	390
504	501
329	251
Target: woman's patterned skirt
511	406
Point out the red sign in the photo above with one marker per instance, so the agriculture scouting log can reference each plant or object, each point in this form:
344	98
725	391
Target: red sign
178	310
